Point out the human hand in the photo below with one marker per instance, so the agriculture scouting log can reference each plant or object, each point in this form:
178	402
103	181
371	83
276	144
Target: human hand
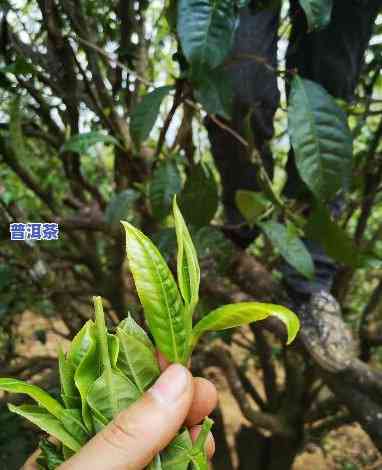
137	434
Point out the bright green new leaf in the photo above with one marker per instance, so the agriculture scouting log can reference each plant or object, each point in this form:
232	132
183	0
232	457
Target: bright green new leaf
187	263
112	391
113	348
251	204
34	392
84	355
206	31
232	315
158	293
81	343
320	138
48	423
145	113
318	12
131	328
69	391
71	419
156	464
110	394
198	452
290	247
136	360
177	455
165	184
81	143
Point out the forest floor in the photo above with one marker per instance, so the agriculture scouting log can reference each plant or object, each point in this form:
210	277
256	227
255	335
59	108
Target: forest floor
347	448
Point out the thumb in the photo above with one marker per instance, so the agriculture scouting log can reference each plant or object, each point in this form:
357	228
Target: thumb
137	434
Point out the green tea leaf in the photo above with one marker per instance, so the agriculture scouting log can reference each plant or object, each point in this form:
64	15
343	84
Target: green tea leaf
165	183
199	455
112	391
145	113
48	423
187	263
177	455
72	421
290	247
85	356
110	394
158	293
81	343
206	31
69	392
200	196
251	204
318	12
131	328
81	143
156	464
113	348
136	360
320	138
51	457
232	315
34	392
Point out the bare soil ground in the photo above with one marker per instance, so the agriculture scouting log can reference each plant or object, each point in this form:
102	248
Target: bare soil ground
347	448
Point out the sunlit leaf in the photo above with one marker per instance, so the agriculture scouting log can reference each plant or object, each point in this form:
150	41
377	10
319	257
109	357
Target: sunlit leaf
47	422
158	293
137	359
187	262
34	392
232	315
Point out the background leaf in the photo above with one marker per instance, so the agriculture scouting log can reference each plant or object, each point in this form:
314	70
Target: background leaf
214	92
336	243
199	199
320	138
81	143
206	31
121	206
290	247
145	113
318	12
251	204
165	184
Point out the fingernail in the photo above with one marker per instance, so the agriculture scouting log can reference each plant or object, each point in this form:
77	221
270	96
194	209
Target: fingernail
171	384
